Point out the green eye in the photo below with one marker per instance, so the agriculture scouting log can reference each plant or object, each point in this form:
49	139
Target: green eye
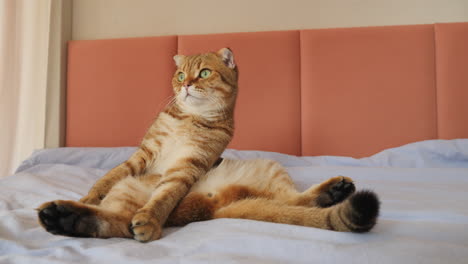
205	73
181	76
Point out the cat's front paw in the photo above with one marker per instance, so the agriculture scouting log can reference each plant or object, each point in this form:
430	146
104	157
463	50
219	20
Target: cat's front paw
145	227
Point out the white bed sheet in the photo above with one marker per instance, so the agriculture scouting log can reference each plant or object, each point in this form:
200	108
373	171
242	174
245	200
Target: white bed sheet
424	212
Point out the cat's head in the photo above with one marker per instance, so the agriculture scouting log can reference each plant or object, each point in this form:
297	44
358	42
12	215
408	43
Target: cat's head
206	84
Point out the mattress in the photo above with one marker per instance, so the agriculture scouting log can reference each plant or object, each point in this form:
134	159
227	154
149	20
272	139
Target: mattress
424	214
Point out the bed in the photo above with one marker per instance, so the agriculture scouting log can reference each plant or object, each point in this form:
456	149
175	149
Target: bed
424	217
383	105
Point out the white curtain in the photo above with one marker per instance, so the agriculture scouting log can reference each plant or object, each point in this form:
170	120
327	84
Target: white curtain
24	51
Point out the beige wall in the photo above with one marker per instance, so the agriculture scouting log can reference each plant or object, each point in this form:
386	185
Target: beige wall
97	19
60	34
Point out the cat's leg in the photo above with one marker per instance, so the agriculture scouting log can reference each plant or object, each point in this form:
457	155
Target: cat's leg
193	208
356	214
76	219
328	193
325	194
174	185
198	206
134	166
110	219
201	206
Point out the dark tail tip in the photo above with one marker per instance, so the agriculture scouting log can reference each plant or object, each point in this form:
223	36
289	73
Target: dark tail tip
365	210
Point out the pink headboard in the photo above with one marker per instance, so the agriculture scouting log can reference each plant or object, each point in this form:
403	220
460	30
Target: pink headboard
351	91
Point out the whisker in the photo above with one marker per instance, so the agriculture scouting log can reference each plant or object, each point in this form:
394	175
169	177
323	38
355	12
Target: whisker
167	101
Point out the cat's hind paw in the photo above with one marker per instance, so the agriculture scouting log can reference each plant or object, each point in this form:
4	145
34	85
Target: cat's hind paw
334	191
67	218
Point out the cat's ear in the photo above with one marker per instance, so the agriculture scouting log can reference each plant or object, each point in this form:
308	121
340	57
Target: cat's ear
179	59
228	57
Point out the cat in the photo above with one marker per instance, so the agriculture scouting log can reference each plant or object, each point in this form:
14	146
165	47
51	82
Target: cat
249	189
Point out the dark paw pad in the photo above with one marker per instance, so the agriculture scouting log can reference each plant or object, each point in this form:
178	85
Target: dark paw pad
63	220
337	193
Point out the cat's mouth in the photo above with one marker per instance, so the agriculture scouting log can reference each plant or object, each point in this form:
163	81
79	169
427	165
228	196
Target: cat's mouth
191	95
188	95
190	98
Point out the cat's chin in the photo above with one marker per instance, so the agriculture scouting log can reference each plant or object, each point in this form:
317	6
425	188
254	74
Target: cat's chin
200	107
192	104
192	98
193	101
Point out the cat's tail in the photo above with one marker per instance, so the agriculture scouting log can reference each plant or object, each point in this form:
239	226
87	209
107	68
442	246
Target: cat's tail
358	213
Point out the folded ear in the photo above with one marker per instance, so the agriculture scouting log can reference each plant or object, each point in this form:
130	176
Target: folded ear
228	57
179	59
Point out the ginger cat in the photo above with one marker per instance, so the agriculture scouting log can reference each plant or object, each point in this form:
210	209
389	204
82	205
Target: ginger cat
177	167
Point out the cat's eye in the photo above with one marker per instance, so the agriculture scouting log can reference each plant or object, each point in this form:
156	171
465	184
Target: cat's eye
205	73
181	76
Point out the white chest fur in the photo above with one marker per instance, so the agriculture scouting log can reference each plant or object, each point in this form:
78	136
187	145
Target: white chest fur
173	149
174	146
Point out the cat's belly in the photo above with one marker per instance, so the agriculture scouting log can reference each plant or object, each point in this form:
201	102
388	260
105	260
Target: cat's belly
257	174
